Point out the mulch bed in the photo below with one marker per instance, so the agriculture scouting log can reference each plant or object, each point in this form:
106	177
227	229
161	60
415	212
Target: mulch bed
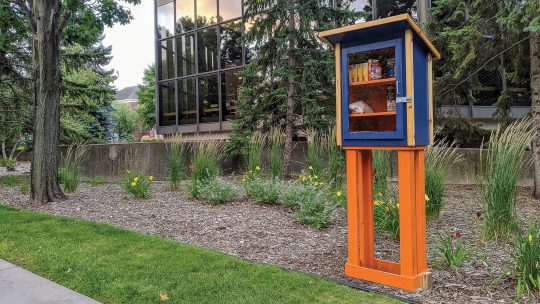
271	234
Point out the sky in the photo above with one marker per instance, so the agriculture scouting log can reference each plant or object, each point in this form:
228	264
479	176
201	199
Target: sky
132	45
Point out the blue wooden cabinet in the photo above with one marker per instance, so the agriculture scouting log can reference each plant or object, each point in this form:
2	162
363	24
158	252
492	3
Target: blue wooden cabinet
383	83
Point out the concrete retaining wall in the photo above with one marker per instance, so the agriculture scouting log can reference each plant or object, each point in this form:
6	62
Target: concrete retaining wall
111	162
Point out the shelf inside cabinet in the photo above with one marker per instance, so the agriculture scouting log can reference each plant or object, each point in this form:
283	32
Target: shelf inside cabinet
384	81
389	113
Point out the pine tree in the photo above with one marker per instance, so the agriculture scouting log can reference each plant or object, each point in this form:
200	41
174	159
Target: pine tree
289	82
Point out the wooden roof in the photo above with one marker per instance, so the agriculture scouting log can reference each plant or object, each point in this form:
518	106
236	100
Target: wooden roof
331	37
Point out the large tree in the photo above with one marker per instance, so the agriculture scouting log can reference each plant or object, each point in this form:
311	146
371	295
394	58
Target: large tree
52	23
147	97
288	83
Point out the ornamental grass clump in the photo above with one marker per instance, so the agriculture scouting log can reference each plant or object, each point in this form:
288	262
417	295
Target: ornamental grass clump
501	166
316	149
255	150
96	181
204	164
276	154
137	185
176	164
336	160
217	191
526	262
440	158
69	174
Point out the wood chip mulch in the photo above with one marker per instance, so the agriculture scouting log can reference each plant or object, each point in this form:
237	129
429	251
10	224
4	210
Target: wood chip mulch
271	234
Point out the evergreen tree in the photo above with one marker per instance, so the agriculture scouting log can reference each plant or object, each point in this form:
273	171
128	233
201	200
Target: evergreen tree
289	82
387	8
147	97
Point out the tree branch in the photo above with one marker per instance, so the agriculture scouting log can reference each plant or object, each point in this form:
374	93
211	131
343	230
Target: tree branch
22	4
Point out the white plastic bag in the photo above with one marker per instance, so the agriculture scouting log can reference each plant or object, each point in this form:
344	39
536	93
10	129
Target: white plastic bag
359	107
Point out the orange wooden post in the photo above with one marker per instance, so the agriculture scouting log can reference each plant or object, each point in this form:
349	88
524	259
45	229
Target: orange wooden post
411	272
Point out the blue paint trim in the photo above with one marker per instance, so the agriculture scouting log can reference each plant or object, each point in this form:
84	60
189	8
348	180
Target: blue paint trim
421	107
400	87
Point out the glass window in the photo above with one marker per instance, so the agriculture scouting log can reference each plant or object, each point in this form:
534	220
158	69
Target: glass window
167	108
231	46
206	12
165	20
230	90
208	99
207	50
230	9
187	102
185	58
185	16
372	91
167	59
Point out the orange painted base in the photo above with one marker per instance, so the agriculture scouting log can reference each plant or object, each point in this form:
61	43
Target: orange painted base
411	272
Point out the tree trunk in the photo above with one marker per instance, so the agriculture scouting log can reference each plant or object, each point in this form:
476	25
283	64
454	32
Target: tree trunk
534	42
289	116
46	135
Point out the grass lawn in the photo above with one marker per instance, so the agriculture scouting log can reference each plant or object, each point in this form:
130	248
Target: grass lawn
114	265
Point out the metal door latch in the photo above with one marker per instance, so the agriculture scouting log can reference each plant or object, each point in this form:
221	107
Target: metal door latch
405	99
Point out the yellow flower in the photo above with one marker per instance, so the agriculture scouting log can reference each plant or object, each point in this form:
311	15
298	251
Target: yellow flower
151	178
315	177
258	168
397	205
427	198
316	184
250	171
243	180
387	209
310	168
133	184
321	183
530	238
377	203
304	179
136	179
338	193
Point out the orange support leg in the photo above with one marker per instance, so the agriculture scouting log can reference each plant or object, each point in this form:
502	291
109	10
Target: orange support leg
411	272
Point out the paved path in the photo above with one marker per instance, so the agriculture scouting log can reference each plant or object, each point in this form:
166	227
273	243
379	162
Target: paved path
20	286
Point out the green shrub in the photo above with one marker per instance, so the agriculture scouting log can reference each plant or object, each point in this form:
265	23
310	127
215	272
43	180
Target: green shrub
176	165
336	161
276	154
316	210
504	162
216	191
69	174
526	262
440	158
386	215
137	185
316	149
293	195
9	164
10	180
25	187
263	191
381	170
206	155
451	252
96	181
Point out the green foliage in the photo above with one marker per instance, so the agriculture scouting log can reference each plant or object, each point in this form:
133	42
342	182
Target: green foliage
316	212
216	191
451	252
461	131
290	72
263	191
69	174
10	180
25	186
255	151
316	149
381	171
388	8
293	195
176	163
501	166
386	215
440	158
137	185
147	97
9	164
96	181
276	153
204	164
336	160
526	262
126	122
